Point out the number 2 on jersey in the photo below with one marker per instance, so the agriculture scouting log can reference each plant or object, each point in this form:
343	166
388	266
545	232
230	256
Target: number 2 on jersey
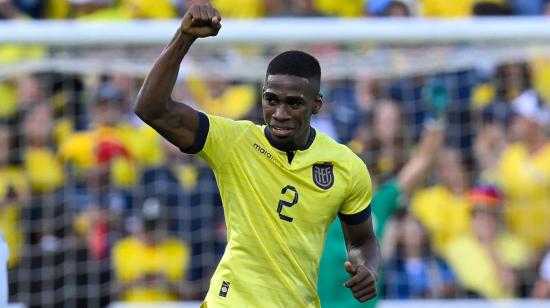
283	203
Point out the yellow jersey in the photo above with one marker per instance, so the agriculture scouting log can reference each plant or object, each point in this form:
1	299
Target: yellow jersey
525	180
133	259
277	212
445	8
483	278
444	214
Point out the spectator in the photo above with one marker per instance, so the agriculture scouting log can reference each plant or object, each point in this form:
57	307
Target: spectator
192	210
150	266
457	8
145	9
124	9
444	207
491	9
112	147
383	144
12	9
344	109
245	9
85	7
14	192
533	7
491	140
68	104
452	89
387	8
351	8
18	94
487	262
511	79
524	171
42	167
397	9
303	8
222	98
542	286
414	270
105	164
9	11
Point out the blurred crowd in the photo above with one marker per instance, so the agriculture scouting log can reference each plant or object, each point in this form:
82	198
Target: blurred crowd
163	9
96	207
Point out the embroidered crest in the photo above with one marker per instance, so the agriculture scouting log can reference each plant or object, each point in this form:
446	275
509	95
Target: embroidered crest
323	176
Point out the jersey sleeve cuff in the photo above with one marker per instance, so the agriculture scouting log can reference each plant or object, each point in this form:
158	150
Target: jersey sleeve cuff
200	135
357	218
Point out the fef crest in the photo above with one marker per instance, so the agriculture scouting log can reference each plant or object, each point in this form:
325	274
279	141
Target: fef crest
323	175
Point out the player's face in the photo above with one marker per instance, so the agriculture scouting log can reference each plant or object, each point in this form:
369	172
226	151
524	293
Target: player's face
288	103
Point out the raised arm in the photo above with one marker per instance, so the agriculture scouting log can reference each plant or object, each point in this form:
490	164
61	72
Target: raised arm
176	122
415	170
364	259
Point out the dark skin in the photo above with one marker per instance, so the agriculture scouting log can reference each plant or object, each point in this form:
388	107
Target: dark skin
288	102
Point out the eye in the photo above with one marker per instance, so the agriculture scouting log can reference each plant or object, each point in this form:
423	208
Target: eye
270	99
295	103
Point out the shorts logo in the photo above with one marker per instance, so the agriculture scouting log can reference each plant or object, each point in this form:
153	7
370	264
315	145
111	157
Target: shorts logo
323	175
224	289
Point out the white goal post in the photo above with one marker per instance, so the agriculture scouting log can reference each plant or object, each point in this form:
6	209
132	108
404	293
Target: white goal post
417	46
278	30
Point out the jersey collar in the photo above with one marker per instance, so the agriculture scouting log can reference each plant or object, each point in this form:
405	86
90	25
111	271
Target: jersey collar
310	139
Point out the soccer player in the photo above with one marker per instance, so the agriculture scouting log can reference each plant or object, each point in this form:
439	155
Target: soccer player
282	183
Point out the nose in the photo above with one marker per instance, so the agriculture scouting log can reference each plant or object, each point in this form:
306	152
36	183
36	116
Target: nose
281	113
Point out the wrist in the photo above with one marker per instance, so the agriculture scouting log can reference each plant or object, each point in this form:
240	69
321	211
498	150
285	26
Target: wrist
373	272
186	35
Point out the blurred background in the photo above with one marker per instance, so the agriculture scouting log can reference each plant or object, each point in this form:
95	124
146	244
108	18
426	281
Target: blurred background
96	208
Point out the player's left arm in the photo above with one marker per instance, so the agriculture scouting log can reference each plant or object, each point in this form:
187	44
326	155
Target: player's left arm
364	259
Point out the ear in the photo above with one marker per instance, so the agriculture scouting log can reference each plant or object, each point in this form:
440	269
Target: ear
317	104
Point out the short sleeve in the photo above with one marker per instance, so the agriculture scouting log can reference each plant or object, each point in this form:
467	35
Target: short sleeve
216	138
356	207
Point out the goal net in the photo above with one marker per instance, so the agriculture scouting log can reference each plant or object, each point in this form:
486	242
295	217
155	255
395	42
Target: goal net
79	172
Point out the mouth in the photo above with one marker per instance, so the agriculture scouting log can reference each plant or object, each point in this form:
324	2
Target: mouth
281	132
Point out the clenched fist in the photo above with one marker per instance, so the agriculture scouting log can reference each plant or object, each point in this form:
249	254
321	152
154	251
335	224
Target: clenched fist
201	21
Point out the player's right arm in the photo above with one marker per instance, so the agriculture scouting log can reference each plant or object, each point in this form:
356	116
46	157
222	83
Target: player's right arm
176	122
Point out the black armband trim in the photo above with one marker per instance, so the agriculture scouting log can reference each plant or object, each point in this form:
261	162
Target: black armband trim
200	135
357	218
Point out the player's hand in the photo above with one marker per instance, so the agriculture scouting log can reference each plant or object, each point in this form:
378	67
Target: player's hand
362	282
201	21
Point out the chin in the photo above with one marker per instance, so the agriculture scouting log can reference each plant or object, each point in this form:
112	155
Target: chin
283	143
